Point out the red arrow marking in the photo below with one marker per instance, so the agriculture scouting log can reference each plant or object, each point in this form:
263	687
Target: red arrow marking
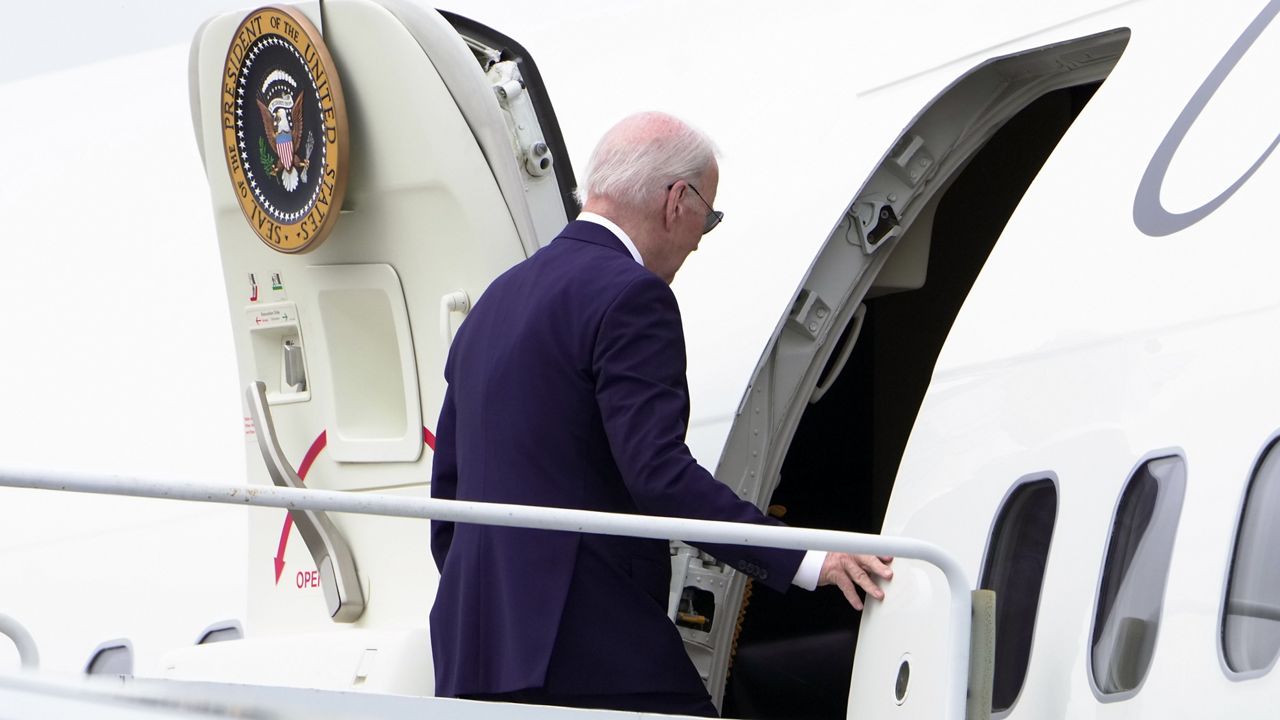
307	460
312	453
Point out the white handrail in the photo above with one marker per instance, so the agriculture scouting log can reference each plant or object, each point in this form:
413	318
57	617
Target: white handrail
547	518
28	655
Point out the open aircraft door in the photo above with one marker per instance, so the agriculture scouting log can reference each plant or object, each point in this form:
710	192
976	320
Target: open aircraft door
372	167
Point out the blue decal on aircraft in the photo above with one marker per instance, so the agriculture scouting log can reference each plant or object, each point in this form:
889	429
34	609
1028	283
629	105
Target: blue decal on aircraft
1149	214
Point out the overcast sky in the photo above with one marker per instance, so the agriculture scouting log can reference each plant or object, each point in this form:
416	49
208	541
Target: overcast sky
38	37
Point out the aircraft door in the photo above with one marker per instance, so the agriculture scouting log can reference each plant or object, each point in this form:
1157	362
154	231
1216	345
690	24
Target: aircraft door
344	293
843	308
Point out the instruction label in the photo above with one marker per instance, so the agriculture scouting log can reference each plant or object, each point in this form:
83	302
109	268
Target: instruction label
273	316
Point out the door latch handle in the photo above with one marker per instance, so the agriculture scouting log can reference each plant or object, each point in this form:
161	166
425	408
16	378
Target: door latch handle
295	376
337	566
825	382
455	302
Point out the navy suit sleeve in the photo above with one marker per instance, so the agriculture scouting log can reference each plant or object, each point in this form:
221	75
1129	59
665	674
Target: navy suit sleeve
641	390
444	478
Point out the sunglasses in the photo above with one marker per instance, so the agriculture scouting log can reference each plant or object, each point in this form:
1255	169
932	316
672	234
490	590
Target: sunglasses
713	216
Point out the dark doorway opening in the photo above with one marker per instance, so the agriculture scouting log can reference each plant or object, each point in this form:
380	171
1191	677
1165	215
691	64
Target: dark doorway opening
795	651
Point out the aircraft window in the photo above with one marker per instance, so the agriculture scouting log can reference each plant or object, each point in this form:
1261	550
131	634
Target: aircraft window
221	632
111	658
1014	569
1251	614
1131	593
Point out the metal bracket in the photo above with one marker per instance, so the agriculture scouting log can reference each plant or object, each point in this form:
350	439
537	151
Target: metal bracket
530	145
809	314
876	216
875	220
910	160
680	559
337	566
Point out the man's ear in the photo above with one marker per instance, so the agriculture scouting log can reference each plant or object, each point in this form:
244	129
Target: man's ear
672	207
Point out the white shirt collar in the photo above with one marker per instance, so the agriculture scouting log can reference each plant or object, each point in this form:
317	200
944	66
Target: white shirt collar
609	225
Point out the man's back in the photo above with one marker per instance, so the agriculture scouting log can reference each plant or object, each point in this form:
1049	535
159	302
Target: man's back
566	388
523	358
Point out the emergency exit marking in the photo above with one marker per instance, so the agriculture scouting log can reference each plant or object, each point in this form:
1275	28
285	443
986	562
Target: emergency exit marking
308	579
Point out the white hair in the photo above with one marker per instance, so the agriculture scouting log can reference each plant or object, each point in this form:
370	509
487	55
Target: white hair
640	157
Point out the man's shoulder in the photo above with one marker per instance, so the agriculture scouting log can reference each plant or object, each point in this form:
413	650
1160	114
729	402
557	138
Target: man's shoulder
593	241
591	255
568	272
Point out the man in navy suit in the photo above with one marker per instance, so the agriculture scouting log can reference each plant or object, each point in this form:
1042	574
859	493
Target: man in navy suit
567	389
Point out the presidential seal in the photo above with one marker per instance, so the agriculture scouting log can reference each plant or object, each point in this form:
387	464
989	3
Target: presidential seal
284	129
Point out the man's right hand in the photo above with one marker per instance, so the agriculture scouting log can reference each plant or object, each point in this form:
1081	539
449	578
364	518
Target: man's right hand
849	572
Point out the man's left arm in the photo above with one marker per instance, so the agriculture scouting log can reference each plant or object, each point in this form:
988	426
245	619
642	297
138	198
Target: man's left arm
639	366
641	390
